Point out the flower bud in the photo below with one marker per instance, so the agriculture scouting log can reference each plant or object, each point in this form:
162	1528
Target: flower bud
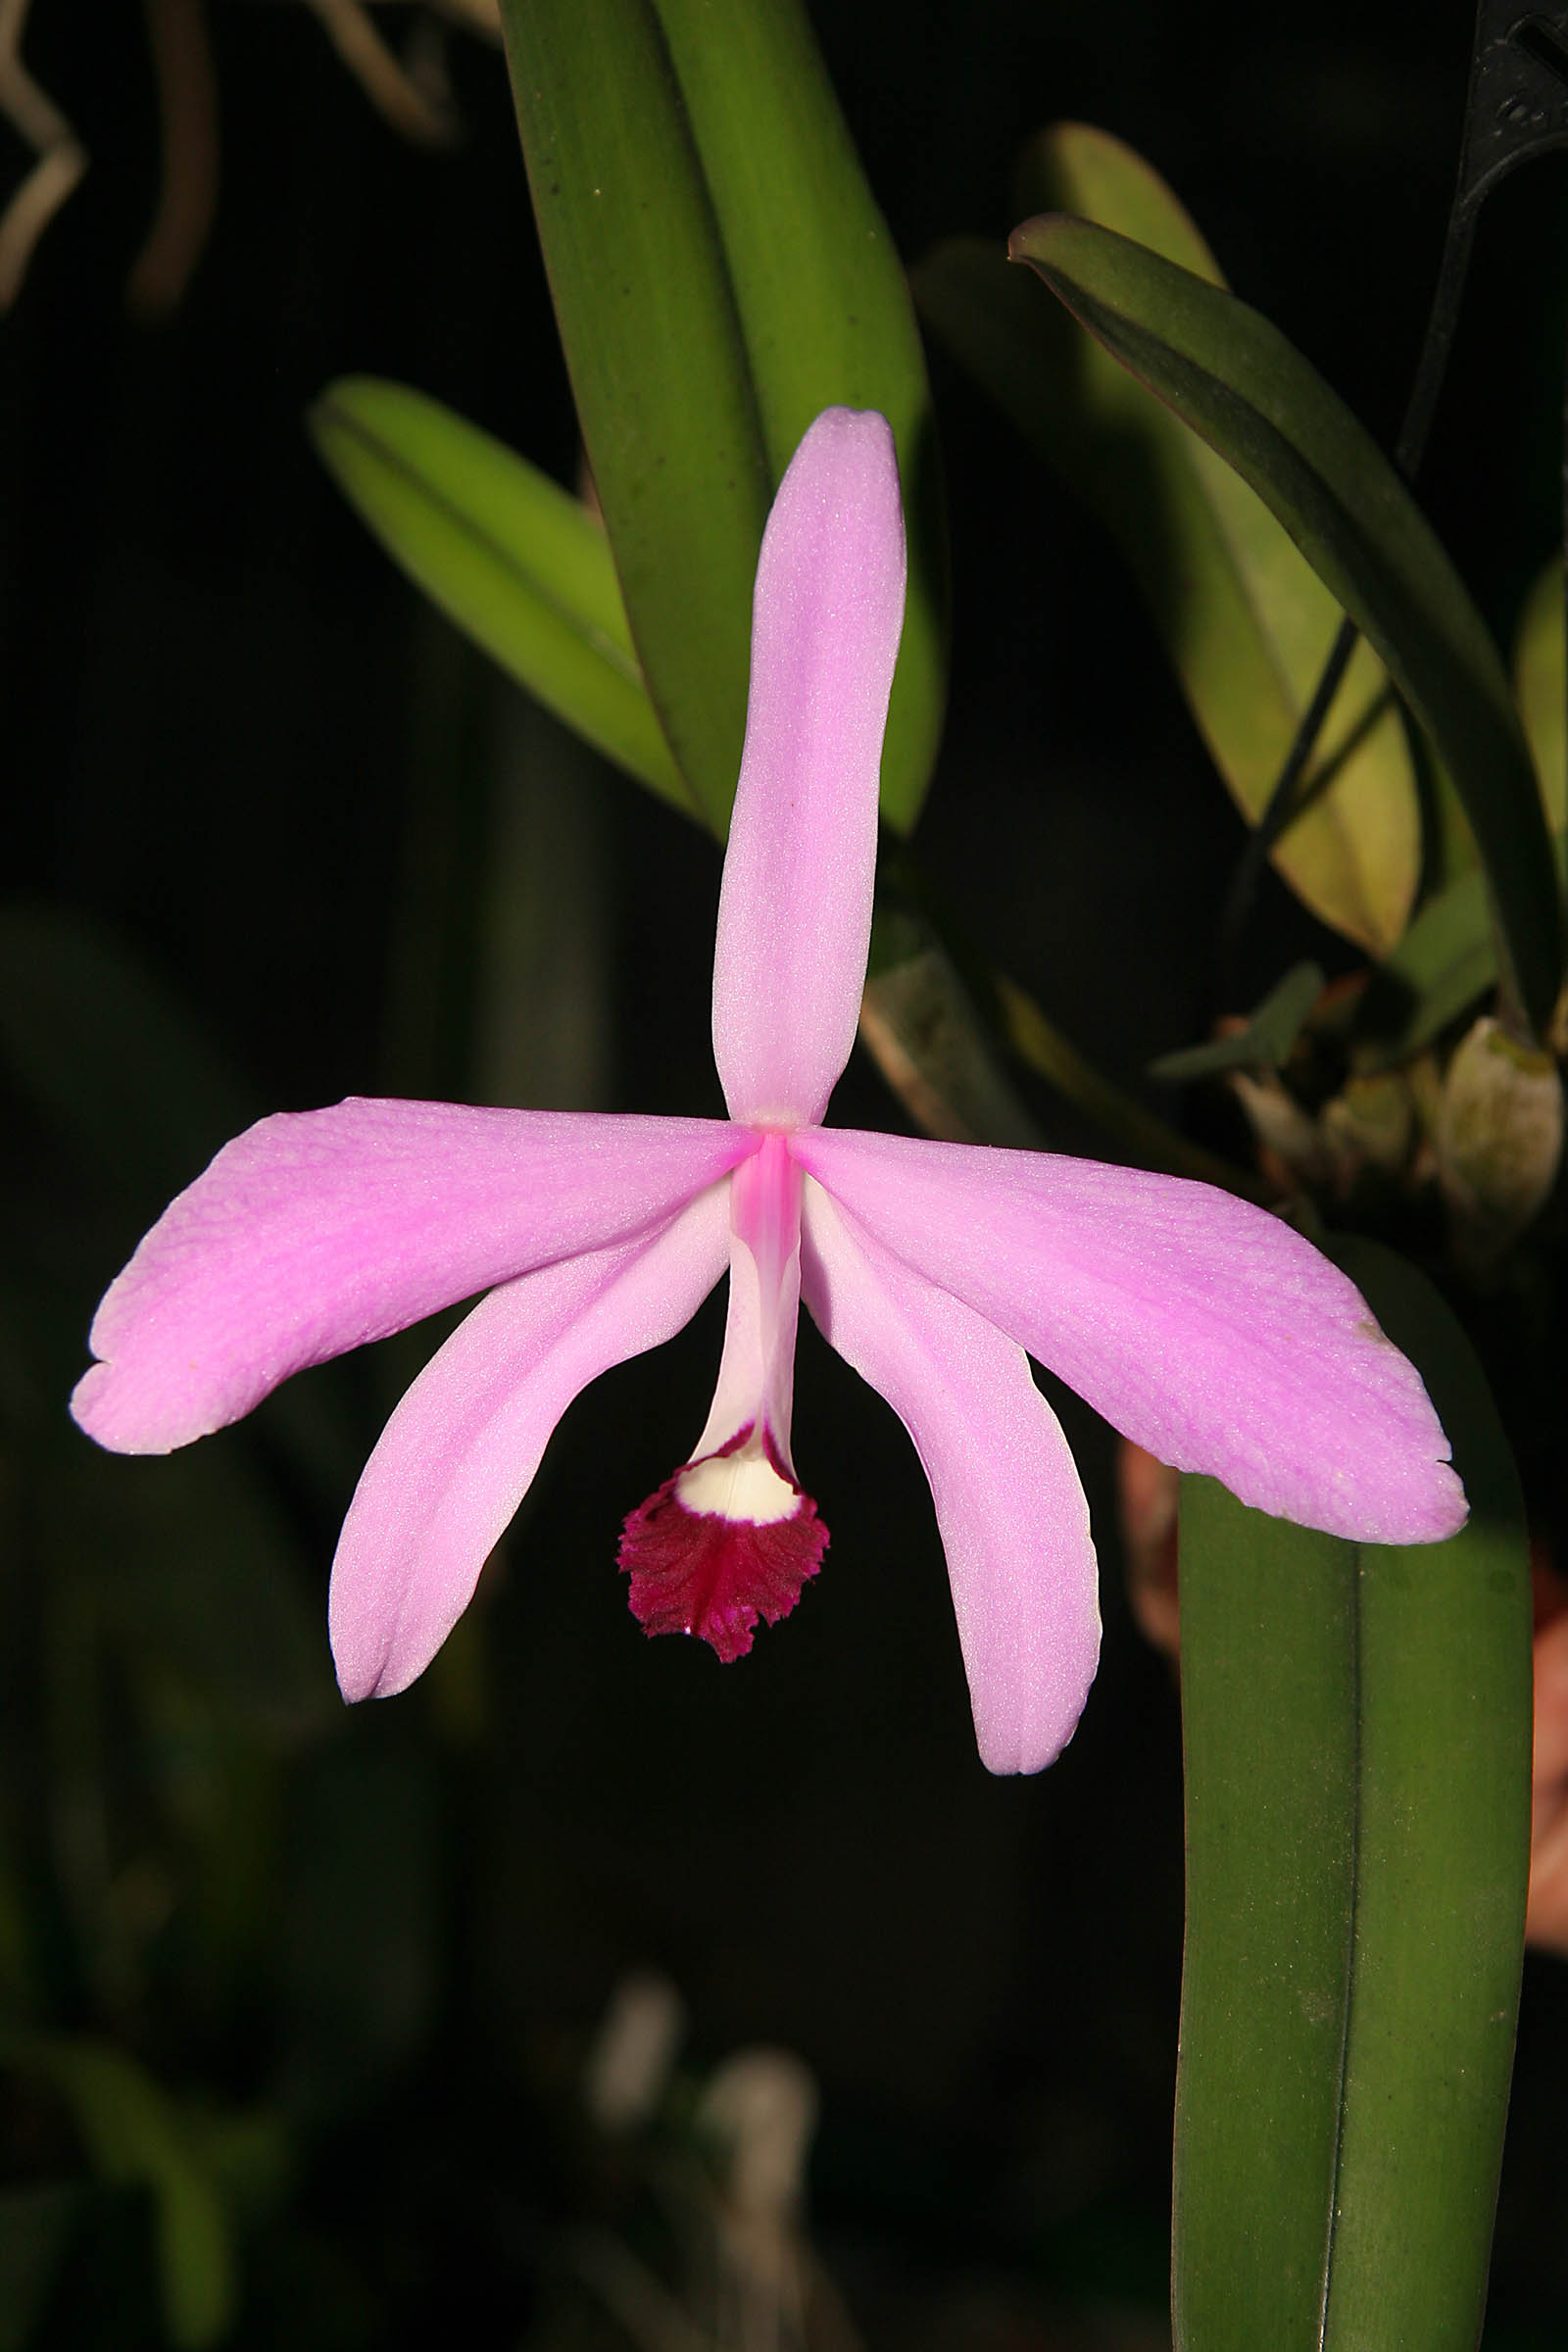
1499	1138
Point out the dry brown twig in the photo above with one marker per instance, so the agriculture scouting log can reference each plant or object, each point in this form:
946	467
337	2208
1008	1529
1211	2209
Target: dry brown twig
411	93
62	158
187	199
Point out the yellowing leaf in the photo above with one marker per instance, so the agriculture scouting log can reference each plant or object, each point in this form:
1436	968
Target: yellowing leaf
1245	619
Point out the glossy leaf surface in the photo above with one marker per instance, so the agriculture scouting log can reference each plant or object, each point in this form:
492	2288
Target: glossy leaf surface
1246	622
1357	1733
506	553
721	274
1239	384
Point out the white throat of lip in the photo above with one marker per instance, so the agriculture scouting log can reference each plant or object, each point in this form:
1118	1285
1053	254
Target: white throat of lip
737	1486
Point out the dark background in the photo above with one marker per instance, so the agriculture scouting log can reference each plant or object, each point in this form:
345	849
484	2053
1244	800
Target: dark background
237	743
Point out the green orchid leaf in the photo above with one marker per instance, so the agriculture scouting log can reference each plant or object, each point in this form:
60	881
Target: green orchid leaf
1110	182
137	2137
1447	958
824	305
1266	1041
1357	1733
506	553
653	340
1445	963
1451	842
1239	384
1269	1893
1245	619
721	274
1541	683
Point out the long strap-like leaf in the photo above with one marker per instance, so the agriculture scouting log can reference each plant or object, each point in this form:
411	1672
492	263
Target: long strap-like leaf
1356	1733
720	273
1234	379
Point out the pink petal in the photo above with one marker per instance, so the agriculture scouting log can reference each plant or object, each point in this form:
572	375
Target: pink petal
1200	1327
460	1452
1010	1506
317	1230
795	910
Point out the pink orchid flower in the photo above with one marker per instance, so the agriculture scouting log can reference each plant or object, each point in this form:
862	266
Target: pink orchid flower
1203	1328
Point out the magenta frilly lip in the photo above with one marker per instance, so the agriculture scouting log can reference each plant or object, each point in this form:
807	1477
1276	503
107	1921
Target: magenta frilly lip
714	1572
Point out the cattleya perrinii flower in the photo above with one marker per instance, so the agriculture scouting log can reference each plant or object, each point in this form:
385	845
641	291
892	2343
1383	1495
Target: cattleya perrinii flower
1203	1328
